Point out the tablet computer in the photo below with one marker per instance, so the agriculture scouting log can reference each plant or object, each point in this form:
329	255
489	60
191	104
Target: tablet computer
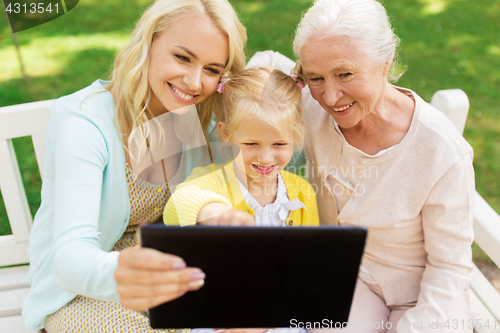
261	277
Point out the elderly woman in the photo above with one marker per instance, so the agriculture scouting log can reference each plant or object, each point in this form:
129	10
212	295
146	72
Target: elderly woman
381	157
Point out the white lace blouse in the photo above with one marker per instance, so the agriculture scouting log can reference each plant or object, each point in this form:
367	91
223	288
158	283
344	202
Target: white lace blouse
273	214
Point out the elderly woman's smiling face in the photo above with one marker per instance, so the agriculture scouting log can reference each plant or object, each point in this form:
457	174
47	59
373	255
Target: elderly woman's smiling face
347	83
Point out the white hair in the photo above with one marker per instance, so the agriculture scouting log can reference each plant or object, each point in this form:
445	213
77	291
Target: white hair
363	24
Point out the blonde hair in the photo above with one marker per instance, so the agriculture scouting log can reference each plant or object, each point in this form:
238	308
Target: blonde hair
267	94
129	83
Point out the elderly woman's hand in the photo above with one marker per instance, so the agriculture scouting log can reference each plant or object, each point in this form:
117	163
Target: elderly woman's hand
146	278
220	214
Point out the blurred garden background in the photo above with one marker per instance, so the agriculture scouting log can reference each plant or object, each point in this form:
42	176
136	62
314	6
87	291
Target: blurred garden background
445	44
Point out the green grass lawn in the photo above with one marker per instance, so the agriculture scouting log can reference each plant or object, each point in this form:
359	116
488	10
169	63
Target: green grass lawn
445	44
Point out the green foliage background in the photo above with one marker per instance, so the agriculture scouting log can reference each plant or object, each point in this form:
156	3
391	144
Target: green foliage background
445	44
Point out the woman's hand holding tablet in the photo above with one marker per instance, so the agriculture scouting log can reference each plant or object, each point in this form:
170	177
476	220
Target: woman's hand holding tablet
143	273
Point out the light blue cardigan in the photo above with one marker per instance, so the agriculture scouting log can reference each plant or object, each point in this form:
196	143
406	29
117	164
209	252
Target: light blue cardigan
85	206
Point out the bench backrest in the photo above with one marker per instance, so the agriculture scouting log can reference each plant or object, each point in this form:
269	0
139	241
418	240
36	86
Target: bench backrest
31	120
16	121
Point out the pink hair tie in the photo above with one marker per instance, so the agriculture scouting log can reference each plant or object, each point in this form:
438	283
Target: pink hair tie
295	77
220	86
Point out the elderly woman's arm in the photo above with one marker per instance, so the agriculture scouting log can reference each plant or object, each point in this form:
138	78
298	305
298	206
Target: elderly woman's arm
273	59
447	225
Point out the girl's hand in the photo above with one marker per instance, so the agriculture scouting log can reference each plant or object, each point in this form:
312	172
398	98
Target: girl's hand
216	213
146	278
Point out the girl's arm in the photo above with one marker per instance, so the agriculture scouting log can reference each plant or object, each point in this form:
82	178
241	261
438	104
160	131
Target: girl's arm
206	200
220	214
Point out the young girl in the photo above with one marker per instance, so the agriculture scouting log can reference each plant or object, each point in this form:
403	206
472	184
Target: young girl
262	117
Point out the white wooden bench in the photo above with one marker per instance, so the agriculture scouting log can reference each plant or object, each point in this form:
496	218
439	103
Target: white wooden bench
31	120
17	121
484	298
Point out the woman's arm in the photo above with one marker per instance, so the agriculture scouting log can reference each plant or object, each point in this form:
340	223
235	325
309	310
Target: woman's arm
78	262
447	225
272	59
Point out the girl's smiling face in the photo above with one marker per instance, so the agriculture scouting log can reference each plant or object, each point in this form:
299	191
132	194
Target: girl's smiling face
186	62
265	150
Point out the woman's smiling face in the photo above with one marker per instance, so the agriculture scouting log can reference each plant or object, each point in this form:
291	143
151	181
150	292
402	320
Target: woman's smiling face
347	83
186	62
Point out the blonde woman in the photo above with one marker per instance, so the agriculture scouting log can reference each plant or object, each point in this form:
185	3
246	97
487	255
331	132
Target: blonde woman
87	273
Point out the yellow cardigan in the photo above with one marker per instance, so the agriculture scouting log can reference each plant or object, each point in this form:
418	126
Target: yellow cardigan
204	186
